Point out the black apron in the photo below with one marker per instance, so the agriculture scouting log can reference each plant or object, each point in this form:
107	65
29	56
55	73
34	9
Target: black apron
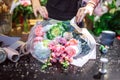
62	9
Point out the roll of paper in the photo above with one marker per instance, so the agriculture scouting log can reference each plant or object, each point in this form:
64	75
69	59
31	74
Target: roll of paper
12	54
3	55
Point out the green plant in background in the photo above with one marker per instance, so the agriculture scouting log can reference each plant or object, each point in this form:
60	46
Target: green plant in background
43	2
21	15
107	21
23	12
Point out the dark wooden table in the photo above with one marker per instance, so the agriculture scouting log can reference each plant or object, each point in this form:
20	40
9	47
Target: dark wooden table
28	68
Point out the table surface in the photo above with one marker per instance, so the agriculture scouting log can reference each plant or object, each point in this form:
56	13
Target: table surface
28	68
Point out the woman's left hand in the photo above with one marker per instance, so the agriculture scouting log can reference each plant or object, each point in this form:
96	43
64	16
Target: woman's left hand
82	13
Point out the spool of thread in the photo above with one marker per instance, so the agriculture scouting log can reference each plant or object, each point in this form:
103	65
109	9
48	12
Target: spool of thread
103	49
103	69
12	54
107	37
3	55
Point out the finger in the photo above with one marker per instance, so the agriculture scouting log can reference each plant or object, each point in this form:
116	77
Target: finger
78	16
46	12
42	11
81	15
35	13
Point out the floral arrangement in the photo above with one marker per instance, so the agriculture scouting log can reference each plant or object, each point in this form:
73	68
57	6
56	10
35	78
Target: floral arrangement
108	18
63	51
55	44
22	13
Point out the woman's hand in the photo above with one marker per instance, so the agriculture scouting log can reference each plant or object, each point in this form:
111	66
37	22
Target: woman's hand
42	10
82	13
37	8
88	9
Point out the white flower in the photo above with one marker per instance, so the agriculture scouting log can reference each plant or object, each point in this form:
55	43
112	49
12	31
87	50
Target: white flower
104	9
96	18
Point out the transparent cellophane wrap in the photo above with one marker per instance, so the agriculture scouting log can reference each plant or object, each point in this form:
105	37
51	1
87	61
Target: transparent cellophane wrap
81	58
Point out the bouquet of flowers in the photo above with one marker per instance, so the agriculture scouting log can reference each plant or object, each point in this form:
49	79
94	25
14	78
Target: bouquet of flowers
56	44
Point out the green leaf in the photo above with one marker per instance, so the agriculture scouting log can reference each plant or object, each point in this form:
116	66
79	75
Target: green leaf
43	2
44	67
91	17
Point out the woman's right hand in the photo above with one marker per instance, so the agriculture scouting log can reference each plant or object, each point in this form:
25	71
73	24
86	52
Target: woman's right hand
38	9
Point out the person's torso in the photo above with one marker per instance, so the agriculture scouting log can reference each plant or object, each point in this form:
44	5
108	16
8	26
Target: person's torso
62	9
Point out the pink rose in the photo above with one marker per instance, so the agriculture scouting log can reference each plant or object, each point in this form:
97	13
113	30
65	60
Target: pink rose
52	44
61	60
70	51
25	2
61	40
37	39
39	31
70	59
57	48
66	57
63	55
53	60
72	42
53	55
